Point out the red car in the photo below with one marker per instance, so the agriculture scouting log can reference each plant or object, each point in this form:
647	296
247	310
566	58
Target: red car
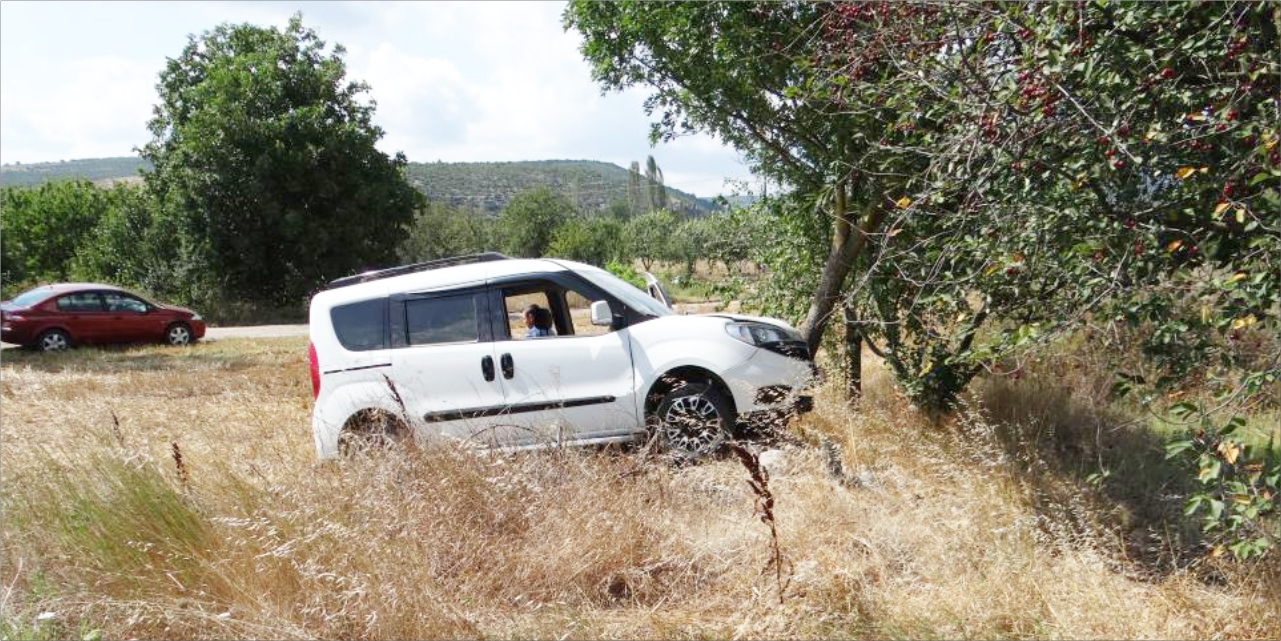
55	317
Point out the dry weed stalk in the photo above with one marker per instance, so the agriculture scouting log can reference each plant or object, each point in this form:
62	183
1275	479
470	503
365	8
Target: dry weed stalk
400	402
759	482
115	429
183	478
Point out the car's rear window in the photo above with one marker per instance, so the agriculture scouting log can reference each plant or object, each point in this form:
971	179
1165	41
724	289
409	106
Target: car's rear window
27	299
361	326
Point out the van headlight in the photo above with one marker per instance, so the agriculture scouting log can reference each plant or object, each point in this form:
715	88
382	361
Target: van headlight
780	340
760	333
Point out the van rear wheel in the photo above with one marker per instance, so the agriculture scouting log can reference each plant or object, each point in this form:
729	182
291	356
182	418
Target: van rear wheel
372	429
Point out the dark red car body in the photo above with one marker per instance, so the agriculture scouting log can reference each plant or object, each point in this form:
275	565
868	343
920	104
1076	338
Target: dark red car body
87	313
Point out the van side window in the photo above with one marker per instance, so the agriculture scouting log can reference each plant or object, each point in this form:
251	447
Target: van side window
361	326
442	319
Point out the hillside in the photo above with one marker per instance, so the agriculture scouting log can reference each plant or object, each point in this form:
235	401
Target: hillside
590	184
94	169
486	186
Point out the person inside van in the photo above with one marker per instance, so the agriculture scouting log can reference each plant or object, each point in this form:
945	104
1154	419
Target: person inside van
538	322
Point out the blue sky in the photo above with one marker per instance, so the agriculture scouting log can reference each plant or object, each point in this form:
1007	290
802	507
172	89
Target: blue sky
454	81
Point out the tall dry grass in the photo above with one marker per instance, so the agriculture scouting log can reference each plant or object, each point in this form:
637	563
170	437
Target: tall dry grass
968	529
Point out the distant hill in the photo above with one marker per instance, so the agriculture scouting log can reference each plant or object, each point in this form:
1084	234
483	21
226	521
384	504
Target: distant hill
93	169
488	186
484	186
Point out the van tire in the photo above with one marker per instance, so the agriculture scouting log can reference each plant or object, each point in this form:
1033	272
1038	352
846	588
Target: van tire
371	429
692	421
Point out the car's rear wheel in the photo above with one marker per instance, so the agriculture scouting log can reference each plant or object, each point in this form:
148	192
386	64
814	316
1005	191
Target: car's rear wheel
178	334
693	420
54	340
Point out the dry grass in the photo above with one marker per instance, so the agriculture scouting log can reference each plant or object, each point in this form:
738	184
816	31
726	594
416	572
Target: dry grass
945	531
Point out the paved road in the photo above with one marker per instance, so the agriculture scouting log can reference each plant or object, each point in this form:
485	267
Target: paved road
252	331
255	331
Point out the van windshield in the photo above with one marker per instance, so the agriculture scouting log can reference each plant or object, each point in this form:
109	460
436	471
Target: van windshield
626	292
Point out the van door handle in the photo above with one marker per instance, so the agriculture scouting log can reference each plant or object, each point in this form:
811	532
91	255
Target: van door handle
487	367
509	367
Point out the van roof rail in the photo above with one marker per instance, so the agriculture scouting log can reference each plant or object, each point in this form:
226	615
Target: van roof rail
379	274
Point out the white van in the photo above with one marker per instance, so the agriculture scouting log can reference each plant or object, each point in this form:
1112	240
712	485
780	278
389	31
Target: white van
439	349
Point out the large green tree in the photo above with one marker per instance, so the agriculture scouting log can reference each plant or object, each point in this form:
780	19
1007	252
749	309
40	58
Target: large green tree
952	164
265	154
745	72
527	224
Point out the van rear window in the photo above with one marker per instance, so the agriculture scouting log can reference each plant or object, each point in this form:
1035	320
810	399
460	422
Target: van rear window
361	326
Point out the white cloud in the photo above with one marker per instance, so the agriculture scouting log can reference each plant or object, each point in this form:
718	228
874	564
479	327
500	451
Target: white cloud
98	108
454	81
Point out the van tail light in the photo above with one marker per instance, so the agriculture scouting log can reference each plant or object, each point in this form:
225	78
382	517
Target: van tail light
315	369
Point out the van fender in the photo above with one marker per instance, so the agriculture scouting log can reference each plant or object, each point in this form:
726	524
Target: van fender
342	404
717	357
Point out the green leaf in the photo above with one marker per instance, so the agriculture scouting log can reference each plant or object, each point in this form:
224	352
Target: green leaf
1176	448
1216	509
1193	504
1183	410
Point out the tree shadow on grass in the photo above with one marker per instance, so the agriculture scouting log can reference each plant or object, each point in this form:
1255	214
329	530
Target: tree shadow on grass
1092	466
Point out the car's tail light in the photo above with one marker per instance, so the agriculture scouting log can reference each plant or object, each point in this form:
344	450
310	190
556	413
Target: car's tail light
315	369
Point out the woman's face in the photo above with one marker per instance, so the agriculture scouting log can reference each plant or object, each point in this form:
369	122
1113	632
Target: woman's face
529	319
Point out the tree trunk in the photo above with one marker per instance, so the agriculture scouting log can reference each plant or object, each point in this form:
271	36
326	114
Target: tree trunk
848	242
853	352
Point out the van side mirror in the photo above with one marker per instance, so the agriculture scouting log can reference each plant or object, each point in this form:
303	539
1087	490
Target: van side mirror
601	314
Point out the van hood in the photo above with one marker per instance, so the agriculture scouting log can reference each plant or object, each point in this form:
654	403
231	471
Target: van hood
753	319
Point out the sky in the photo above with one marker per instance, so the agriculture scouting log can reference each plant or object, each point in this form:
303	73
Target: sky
453	81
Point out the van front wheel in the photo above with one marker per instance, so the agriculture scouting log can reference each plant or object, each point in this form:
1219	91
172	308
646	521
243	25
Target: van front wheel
693	420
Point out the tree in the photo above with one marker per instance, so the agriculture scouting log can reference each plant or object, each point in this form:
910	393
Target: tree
265	155
954	163
654	181
590	239
737	70
441	231
637	195
45	226
133	245
649	236
527	223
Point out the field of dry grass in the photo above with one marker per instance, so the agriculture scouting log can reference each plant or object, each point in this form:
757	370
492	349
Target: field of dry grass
174	493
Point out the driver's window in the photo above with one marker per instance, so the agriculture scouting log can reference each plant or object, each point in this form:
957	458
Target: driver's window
580	315
517	304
